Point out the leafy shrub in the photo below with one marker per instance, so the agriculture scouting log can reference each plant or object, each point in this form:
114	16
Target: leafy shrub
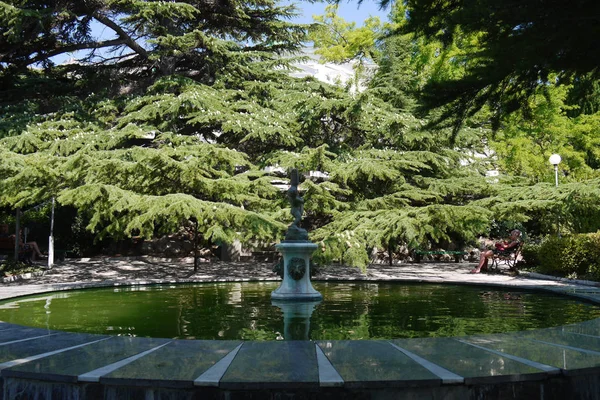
593	268
549	255
530	253
574	255
12	267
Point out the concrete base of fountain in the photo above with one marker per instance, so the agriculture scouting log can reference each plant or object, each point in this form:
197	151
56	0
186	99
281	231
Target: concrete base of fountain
296	284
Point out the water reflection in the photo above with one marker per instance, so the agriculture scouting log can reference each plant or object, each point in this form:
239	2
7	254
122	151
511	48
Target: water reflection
15	304
350	311
296	318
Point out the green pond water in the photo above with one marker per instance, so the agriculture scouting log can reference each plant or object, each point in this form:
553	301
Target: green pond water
245	311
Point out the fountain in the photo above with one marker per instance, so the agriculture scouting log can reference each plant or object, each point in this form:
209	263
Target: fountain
296	250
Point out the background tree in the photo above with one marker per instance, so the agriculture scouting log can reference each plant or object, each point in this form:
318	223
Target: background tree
408	65
528	138
85	133
138	148
521	46
181	122
338	41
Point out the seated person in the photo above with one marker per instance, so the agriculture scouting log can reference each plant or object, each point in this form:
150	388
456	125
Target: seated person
26	246
31	245
505	248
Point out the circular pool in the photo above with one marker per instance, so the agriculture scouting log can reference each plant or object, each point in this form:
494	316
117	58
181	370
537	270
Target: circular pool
245	311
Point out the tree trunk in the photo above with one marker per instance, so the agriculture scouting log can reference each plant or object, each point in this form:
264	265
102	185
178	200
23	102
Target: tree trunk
196	246
17	234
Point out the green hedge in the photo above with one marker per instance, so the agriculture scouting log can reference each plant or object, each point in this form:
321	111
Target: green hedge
573	256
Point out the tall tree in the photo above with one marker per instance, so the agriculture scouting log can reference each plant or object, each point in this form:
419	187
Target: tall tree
134	163
521	45
144	39
142	143
528	138
405	64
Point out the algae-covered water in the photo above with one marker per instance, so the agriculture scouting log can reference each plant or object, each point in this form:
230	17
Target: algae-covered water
245	311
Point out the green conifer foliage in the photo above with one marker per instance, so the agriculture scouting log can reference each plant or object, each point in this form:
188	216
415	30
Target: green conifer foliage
144	164
146	130
182	125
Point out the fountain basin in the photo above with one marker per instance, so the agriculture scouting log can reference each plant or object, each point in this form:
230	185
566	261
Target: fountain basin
246	311
552	363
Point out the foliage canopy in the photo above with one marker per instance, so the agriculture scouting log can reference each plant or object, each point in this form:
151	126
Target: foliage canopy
520	47
194	116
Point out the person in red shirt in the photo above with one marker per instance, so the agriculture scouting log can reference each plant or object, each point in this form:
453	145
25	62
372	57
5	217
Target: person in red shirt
504	247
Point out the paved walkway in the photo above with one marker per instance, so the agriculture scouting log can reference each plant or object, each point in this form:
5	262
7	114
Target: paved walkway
118	271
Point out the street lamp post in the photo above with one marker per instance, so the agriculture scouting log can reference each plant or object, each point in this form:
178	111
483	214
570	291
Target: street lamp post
555	159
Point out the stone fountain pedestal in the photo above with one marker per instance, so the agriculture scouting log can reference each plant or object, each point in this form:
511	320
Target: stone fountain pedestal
296	285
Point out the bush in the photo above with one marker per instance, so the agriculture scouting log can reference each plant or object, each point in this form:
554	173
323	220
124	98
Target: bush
12	267
530	253
593	268
573	256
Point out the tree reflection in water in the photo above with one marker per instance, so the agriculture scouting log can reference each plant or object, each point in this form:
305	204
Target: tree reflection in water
244	311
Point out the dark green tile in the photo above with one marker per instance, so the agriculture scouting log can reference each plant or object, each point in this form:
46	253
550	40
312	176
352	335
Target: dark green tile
30	348
290	364
7	325
591	327
562	337
68	365
470	362
174	365
518	345
18	333
368	362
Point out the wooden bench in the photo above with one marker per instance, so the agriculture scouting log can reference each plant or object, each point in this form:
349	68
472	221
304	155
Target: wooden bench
458	255
509	258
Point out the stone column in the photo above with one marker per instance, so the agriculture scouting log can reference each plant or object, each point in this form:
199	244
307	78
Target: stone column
296	283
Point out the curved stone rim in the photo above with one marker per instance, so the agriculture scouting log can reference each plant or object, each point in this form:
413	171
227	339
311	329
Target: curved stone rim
325	364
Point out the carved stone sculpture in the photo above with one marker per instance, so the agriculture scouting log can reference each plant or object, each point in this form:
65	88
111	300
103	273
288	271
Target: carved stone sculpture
294	231
296	268
296	250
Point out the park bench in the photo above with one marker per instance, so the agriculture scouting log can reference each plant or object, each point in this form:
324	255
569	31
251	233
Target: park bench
7	247
458	255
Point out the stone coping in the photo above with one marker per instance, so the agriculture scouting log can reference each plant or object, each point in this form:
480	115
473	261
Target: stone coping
582	282
541	363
